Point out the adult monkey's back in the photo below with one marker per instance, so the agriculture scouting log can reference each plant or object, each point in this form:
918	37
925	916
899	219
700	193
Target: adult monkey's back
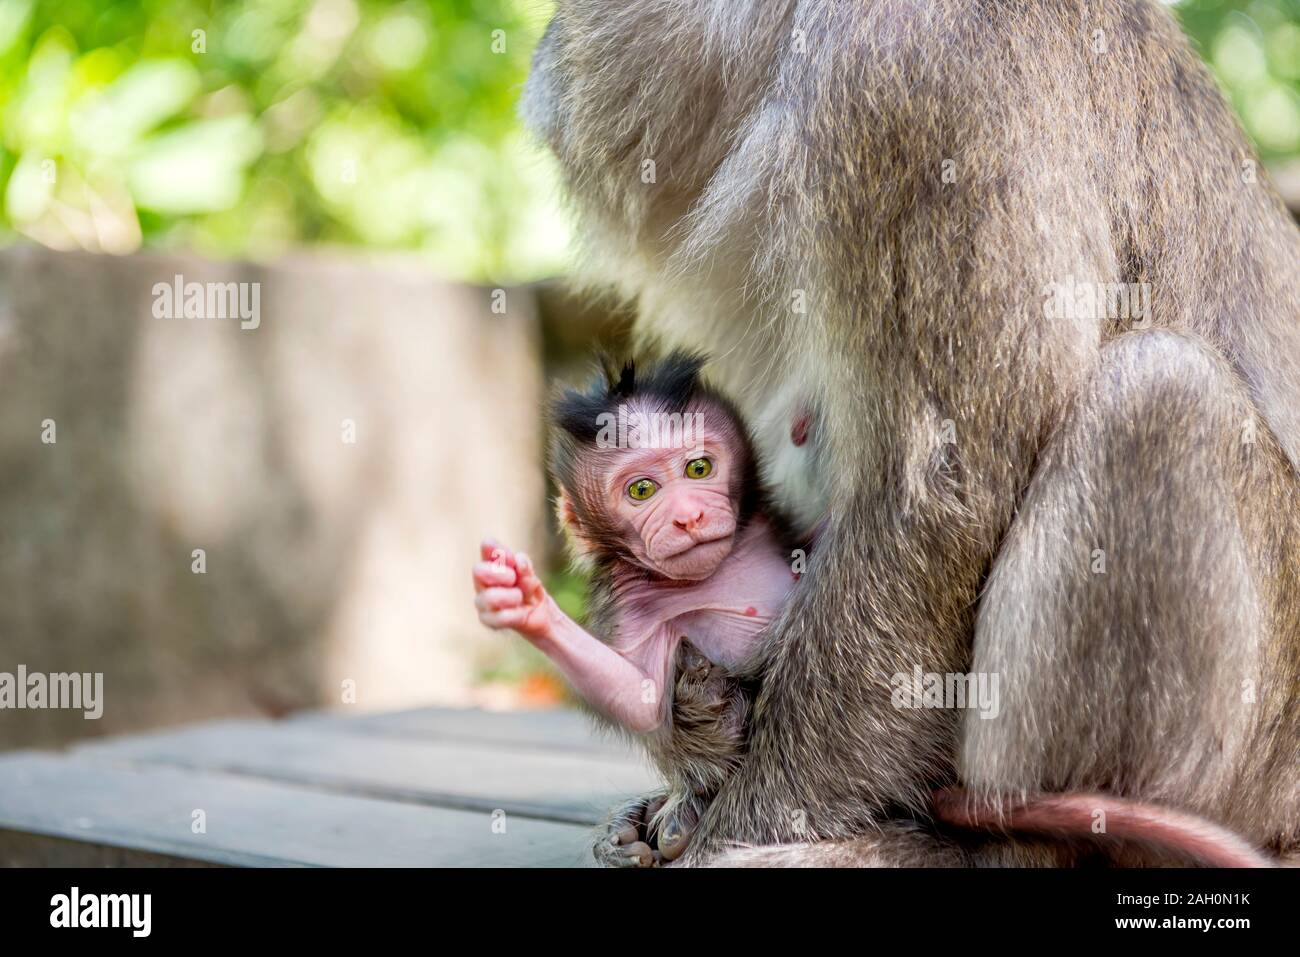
860	208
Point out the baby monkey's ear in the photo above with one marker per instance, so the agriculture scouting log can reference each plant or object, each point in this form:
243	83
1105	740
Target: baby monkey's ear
566	513
581	548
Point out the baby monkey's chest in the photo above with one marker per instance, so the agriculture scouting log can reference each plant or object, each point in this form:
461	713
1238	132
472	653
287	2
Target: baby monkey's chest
724	617
726	636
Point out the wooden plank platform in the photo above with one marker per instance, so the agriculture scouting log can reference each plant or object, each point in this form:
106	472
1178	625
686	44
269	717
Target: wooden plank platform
433	787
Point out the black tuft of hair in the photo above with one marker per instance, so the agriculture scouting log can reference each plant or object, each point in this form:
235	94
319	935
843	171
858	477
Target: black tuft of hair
673	380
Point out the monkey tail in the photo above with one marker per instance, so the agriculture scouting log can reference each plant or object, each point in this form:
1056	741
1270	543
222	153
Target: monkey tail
1075	816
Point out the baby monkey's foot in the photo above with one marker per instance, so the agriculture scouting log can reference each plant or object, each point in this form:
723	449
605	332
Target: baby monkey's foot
691	663
704	694
626	839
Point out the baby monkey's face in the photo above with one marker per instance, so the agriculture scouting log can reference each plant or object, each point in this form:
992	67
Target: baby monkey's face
676	505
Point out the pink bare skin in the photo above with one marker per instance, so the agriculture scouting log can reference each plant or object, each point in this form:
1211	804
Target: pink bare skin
706	581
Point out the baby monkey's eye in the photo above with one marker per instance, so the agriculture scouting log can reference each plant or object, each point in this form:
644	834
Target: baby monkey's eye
699	468
642	489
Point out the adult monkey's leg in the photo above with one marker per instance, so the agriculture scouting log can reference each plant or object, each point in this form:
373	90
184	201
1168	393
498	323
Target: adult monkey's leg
1139	616
941	380
1139	647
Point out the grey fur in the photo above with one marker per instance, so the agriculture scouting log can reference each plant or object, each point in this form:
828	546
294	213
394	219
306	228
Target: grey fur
975	453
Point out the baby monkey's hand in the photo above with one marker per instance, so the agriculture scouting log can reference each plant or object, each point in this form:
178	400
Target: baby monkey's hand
510	595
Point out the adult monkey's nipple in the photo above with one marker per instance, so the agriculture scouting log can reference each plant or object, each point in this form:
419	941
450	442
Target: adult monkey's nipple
800	426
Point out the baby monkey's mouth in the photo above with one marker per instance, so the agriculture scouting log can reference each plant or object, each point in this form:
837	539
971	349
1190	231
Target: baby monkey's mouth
698	560
700	543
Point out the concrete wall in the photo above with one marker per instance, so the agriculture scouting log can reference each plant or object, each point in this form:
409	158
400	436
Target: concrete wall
326	560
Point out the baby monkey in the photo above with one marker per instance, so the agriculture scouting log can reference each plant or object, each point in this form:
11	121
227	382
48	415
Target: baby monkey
660	498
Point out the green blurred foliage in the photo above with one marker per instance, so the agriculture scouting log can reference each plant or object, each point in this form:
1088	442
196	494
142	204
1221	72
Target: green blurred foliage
1253	47
247	127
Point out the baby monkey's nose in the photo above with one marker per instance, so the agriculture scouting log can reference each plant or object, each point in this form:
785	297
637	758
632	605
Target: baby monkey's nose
689	524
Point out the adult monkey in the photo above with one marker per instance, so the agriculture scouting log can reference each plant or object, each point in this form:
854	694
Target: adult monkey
859	207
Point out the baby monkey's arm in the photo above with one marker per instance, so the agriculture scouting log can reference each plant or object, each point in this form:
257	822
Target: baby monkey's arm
510	595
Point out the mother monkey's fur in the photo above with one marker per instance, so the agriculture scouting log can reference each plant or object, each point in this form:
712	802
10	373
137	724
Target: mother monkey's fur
860	208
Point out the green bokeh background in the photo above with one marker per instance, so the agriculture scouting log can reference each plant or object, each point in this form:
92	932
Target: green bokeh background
250	127
246	128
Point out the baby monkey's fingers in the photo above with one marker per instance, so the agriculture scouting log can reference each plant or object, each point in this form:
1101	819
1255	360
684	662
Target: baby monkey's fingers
490	550
529	583
498	599
515	618
493	575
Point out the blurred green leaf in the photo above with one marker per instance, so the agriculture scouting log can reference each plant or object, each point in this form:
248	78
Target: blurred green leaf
249	126
1253	48
196	168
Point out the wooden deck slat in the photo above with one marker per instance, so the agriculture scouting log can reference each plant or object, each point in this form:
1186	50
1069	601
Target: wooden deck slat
258	823
575	787
560	729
